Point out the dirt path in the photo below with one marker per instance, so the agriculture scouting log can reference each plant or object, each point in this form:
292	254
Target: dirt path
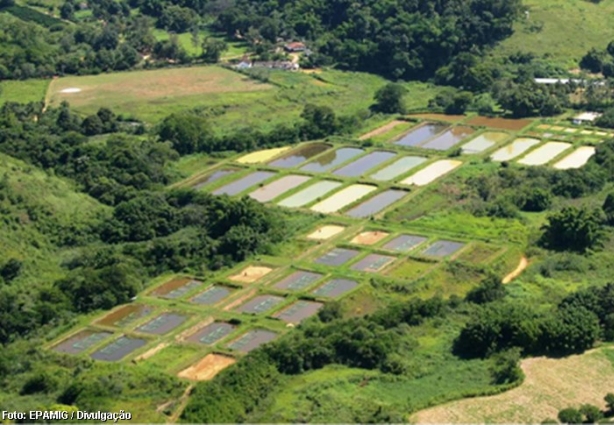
549	385
524	263
183	401
381	130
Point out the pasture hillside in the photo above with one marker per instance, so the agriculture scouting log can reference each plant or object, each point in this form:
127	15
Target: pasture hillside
549	385
43	204
562	30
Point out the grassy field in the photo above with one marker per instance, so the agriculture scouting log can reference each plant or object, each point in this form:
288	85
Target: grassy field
229	98
550	385
23	91
569	29
154	94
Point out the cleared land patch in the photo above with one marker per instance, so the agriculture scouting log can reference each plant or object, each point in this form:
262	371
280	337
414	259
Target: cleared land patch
206	368
550	385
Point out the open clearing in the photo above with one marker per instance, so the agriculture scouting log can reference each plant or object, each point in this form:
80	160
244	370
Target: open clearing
550	385
207	367
126	90
251	274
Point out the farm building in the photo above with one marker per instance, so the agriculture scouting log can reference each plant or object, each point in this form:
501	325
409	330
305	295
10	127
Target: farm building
295	47
585	118
552	81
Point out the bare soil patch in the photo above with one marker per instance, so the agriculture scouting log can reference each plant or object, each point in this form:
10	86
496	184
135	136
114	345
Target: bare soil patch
251	274
325	232
550	385
369	238
206	368
381	130
500	123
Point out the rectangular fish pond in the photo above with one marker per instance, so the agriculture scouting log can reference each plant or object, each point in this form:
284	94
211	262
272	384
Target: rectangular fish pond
421	134
431	172
343	198
544	153
446	140
162	324
213	177
278	187
211	333
483	142
298	281
404	243
335	288
299	311
309	194
373	263
252	340
337	257
516	148
397	168
576	159
260	304
364	164
376	204
81	341
118	349
332	159
211	295
176	288
300	155
243	183
125	315
443	248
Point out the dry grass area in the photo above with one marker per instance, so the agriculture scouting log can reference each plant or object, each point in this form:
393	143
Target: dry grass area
251	274
149	86
550	385
206	368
